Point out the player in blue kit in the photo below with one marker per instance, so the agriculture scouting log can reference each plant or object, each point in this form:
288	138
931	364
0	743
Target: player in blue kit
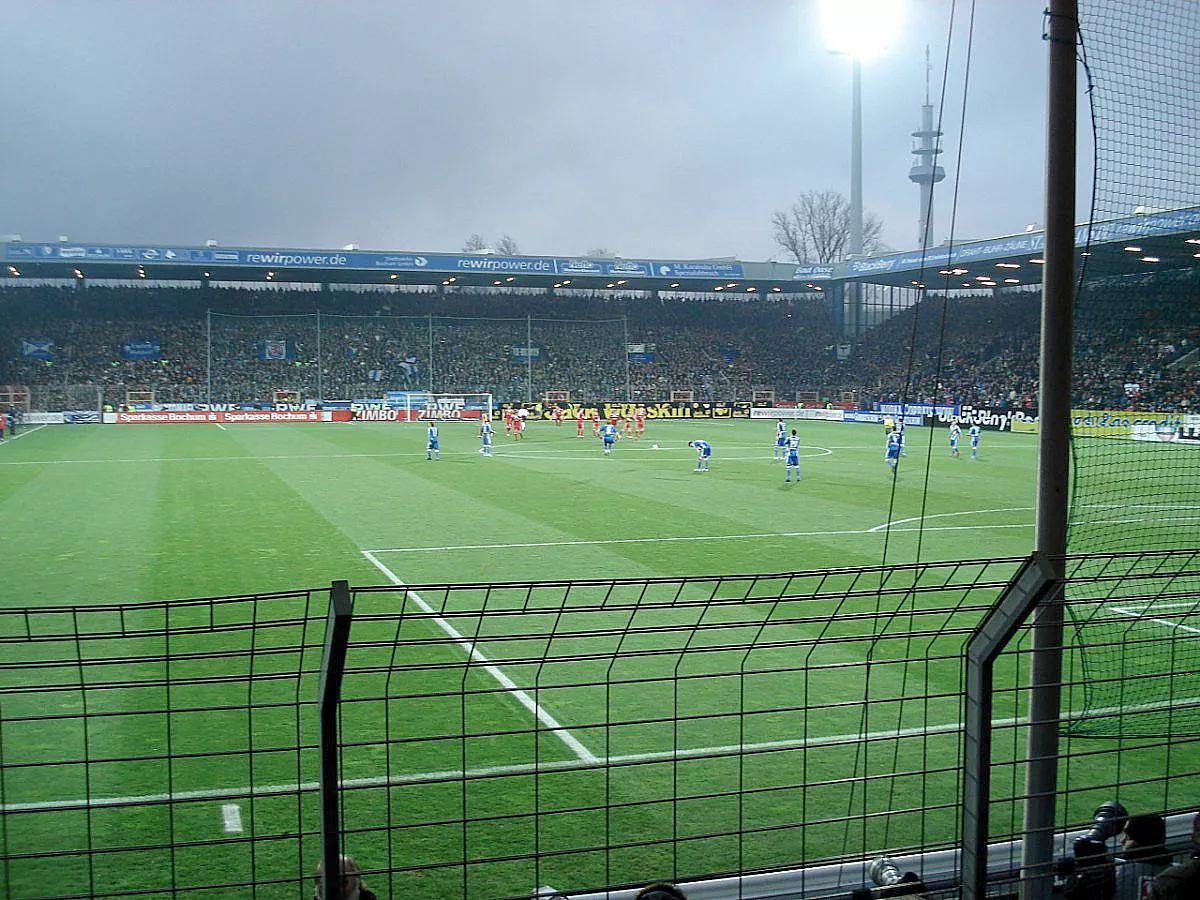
791	459
780	439
955	434
891	453
703	454
431	444
485	435
974	431
608	436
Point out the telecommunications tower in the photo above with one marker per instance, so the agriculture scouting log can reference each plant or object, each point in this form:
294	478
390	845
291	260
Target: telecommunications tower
925	171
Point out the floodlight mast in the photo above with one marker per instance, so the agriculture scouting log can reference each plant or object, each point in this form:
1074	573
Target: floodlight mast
858	29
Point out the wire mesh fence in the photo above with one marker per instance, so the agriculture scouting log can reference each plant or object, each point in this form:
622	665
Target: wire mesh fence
498	738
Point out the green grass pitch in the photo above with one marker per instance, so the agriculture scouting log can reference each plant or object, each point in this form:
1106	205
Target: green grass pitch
101	515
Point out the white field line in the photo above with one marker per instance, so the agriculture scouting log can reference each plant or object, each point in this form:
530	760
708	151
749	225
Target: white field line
1141	617
219	425
707	537
474	654
23	433
597	763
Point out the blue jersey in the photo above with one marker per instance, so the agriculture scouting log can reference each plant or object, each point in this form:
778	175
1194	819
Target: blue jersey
703	449
608	432
780	434
433	437
893	445
955	431
974	432
485	432
793	450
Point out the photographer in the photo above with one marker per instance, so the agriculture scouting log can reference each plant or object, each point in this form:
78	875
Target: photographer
1182	880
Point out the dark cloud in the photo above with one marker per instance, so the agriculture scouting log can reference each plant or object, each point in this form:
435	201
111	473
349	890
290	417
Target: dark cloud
666	128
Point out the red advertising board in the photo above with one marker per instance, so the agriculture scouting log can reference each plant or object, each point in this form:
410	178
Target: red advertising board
224	417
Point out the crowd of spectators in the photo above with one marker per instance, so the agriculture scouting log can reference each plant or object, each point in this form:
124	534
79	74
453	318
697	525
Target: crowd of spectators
1135	346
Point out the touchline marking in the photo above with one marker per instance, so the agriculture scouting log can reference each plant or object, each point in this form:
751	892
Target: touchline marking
624	759
473	653
21	434
219	425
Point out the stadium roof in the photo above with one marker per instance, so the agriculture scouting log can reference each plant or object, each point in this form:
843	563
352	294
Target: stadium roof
1134	245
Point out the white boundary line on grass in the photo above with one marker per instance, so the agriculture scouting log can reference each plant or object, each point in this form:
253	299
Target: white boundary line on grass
23	433
1140	615
623	759
726	537
475	655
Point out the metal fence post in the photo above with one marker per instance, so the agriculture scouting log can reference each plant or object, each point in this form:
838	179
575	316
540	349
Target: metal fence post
1033	584
333	665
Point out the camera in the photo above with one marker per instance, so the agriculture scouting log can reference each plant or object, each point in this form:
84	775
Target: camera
891	881
1107	821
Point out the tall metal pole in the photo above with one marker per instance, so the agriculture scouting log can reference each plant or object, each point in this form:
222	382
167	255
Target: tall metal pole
208	339
1054	433
429	380
320	361
856	200
854	292
625	353
529	358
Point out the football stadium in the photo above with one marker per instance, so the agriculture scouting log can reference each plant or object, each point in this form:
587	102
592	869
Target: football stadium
502	576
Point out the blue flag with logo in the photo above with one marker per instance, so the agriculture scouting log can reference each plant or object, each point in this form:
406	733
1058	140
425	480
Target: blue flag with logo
37	348
275	350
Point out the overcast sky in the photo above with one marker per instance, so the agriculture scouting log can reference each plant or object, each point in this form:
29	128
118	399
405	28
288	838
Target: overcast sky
660	128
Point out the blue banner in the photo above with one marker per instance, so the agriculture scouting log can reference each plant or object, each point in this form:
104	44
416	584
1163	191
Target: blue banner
643	357
37	348
1170	222
274	349
484	264
141	350
917	409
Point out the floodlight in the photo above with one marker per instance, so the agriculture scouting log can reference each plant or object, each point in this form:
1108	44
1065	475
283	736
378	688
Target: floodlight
860	28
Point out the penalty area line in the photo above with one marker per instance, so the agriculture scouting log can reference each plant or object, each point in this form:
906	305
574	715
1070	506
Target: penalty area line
476	655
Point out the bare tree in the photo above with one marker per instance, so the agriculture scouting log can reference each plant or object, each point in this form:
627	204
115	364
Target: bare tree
508	247
474	243
816	229
597	252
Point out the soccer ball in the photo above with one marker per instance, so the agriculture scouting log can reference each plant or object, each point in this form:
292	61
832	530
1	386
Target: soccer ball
654	446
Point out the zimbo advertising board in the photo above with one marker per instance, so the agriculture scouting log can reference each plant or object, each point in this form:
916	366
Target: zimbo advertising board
434	409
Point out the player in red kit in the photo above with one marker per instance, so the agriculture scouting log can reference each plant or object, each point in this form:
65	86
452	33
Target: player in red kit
579	420
556	415
595	422
639	423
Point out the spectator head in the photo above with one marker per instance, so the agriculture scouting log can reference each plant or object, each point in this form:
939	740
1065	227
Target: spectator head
352	881
660	890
